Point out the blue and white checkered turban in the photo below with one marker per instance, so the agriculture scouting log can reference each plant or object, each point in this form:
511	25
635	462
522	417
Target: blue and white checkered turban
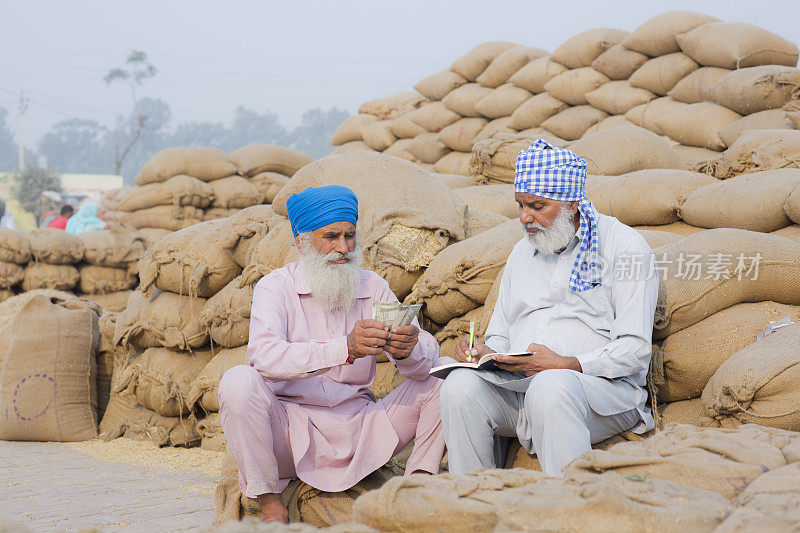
558	174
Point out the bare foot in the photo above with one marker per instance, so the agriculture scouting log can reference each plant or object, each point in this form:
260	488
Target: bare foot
272	510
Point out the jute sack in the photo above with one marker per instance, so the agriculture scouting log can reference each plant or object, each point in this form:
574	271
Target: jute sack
246	228
618	97
571	86
498	198
11	274
609	122
623	149
161	379
192	261
268	184
790	232
102	280
656	239
210	430
404	128
449	336
698	124
683	412
535	74
618	62
261	157
5	294
458	279
151	235
694	155
162	320
117	410
646	115
47	381
692	355
201	162
573	122
657	36
400	149
735	45
506	64
462	100
205	386
453	181
177	190
704	458
480	220
378	135
454	163
535	110
168	217
105	370
502	101
511	500
235	192
580	50
473	63
387	378
461	135
691	300
14	247
498	125
144	424
659	75
45	276
350	129
438	85
755	151
678	228
112	301
690	90
758	384
434	116
216	213
771	119
754	89
427	148
729	203
227	314
116	248
792	206
493	159
352	146
274	250
110	199
394	105
55	246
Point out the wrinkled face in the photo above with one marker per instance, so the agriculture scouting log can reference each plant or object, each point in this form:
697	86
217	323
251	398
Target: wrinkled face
335	237
536	212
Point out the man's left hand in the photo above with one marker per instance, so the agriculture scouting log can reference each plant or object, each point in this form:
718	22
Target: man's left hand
402	341
543	358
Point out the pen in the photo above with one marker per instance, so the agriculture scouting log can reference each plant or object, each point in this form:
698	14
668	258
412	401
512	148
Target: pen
471	339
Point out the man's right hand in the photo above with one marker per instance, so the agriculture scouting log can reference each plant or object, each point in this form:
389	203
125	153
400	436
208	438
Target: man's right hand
465	355
368	337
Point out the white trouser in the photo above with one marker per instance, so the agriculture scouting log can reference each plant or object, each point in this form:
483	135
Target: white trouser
479	418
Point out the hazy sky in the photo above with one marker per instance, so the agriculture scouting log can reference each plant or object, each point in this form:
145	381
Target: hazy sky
285	56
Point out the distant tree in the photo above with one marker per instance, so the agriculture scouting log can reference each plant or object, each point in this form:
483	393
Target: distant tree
314	133
76	145
252	127
29	184
8	148
201	134
152	135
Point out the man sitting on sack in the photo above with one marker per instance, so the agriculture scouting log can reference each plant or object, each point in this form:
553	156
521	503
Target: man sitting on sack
302	408
589	331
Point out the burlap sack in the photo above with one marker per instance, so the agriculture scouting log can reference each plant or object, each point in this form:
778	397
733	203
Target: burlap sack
609	122
438	85
473	63
55	246
757	384
352	146
14	247
462	100
434	116
755	151
235	192
387	378
427	148
502	101
110	302
618	62
573	122
257	158
168	217
268	184
618	97
458	279
201	162
350	129
536	74
698	124
151	235
768	504
694	155
45	276
691	89
519	458
449	336
161	379
216	213
771	119
657	36
729	203
646	115
101	280
177	190
461	134
535	110
5	294
453	181
792	205
404	128
400	149
678	228
205	386
580	50
720	460
724	252
790	232
394	105
193	261
659	75
162	320
480	220
105	370
274	250
498	198
493	159
11	274
498	125
683	412
510	500
656	239
109	248
110	199
507	64
754	89
692	355
571	86
245	229
378	135
623	149
141	423
117	409
47	381
210	430
227	314
454	163
735	45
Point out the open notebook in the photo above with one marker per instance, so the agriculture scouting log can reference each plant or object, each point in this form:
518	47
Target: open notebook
484	363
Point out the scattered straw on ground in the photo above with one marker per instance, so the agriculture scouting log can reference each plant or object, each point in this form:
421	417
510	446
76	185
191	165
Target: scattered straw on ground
146	454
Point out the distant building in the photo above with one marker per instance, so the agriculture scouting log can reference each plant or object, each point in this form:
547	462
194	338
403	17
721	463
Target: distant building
92	185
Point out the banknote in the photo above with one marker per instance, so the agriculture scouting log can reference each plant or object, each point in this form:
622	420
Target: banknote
394	314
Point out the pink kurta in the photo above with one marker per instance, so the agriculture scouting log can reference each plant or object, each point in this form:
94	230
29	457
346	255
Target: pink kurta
337	433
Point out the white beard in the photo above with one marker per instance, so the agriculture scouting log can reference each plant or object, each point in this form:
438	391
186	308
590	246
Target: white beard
555	238
334	285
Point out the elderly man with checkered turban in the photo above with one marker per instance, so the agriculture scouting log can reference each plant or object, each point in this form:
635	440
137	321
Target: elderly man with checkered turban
578	293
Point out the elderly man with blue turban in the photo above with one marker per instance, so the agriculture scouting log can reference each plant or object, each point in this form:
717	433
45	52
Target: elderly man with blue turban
302	407
569	297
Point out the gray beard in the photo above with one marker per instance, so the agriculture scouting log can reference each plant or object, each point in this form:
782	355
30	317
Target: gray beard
555	238
334	285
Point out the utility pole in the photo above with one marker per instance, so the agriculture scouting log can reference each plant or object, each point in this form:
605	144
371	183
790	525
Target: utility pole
23	106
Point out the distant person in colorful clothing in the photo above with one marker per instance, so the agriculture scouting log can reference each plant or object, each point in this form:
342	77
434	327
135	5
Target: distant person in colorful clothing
6	218
60	222
84	220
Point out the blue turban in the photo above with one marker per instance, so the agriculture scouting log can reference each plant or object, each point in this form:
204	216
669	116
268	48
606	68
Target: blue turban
558	174
316	207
